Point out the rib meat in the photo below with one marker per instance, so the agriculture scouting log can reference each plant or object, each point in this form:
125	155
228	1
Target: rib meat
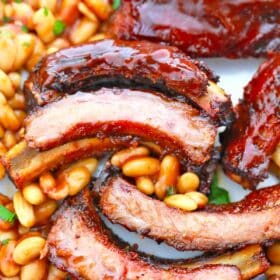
177	126
141	64
255	219
28	163
203	28
79	243
250	142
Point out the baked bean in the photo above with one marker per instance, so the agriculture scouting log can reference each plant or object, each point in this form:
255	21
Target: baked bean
33	194
17	102
3	149
9	139
38	52
7	265
35	270
17	149
155	148
55	273
187	182
143	166
7	50
15	78
90	163
24	210
200	198
77	178
97	37
6	85
101	8
59	43
23	13
181	201
121	157
44	21
83	30
8	118
145	185
169	171
87	12
44	211
28	249
273	253
25	44
47	182
21	115
60	191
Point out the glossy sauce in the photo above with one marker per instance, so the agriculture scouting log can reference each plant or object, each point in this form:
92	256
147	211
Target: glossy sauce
256	132
203	28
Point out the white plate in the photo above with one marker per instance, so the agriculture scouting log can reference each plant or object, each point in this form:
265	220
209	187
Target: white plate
234	75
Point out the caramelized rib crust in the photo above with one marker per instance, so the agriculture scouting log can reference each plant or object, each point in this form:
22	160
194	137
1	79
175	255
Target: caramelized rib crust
79	243
177	126
255	219
140	64
253	137
203	28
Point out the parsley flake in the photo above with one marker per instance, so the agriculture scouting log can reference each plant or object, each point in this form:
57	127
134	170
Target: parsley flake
59	27
6	215
6	19
218	195
170	191
24	28
116	4
17	1
45	11
5	241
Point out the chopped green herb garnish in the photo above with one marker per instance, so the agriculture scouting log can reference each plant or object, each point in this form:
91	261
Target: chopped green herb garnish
116	4
17	1
59	27
170	191
45	11
6	19
217	194
24	28
5	241
26	44
6	215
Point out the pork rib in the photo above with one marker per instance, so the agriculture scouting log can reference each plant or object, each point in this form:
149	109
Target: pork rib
28	163
253	137
255	219
139	64
79	243
203	28
175	125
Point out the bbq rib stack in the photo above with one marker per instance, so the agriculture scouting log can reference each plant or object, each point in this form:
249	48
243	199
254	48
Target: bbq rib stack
127	92
107	95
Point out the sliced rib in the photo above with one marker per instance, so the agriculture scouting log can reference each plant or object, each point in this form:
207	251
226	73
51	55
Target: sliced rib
116	112
255	219
203	28
27	163
79	243
141	64
252	139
